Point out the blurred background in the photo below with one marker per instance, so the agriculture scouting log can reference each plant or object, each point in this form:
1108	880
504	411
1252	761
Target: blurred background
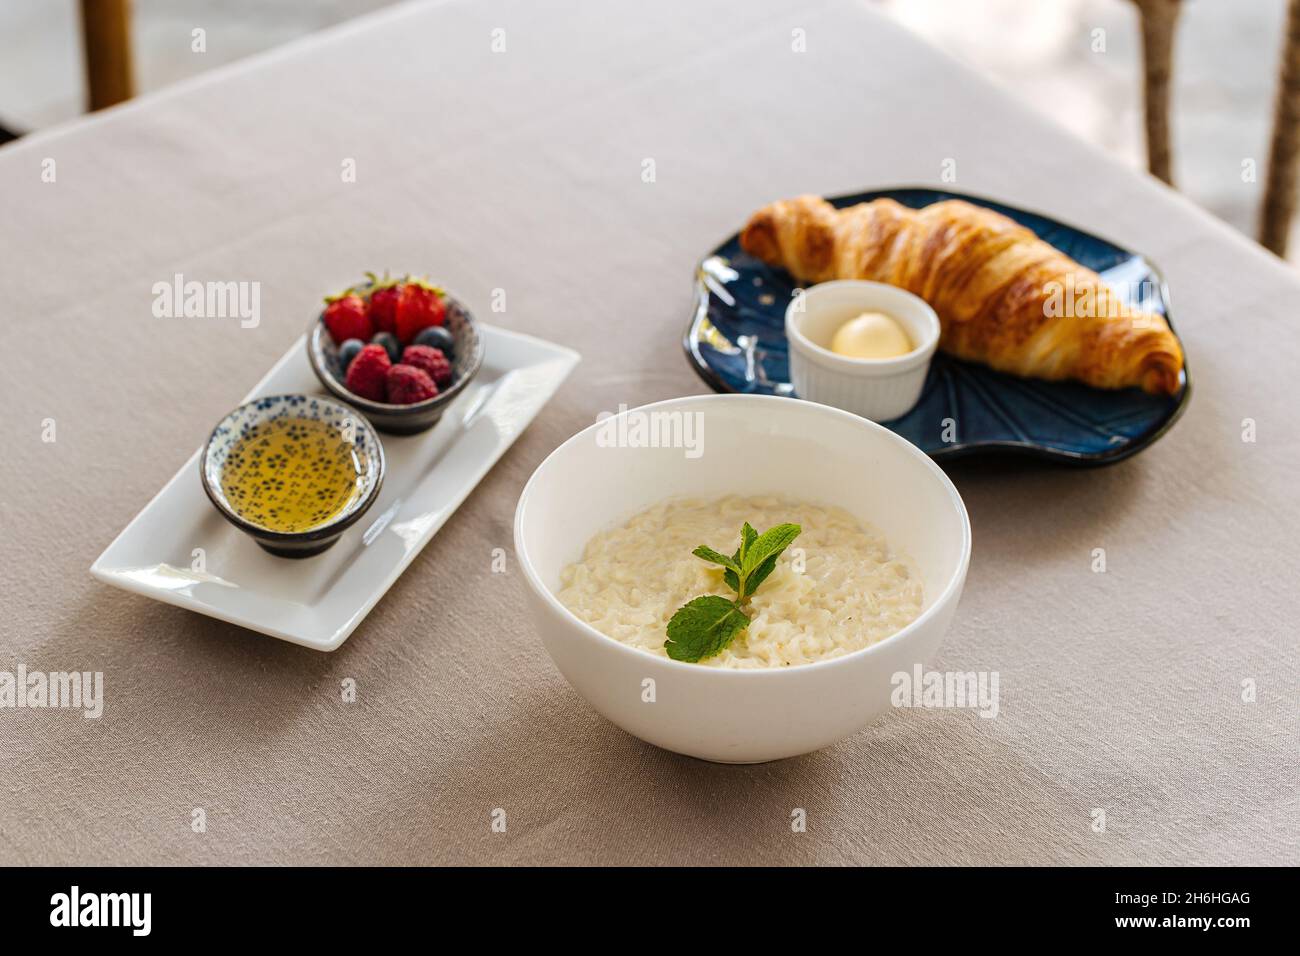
1079	62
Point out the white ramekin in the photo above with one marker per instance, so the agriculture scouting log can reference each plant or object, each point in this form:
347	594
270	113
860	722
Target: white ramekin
878	389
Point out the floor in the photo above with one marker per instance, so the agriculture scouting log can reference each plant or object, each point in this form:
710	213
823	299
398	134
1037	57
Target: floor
1077	61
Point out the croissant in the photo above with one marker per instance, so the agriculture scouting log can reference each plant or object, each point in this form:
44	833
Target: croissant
1004	297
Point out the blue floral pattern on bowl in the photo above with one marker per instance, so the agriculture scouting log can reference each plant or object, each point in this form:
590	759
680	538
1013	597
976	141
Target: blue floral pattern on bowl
736	342
239	423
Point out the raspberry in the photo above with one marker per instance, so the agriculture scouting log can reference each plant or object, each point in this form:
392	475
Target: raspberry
408	384
431	360
419	306
368	373
346	318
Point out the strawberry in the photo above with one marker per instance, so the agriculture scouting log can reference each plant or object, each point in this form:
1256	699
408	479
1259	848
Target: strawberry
383	302
419	305
408	385
368	373
431	360
345	317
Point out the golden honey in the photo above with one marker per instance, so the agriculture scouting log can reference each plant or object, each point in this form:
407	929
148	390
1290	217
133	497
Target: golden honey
292	474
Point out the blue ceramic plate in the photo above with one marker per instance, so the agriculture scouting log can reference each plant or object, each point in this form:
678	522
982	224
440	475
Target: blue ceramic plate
736	342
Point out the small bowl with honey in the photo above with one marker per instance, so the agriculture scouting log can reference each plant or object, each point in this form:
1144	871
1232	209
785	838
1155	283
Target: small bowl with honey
293	471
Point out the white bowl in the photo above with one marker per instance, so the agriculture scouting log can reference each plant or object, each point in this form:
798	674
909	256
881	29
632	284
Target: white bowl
751	445
878	389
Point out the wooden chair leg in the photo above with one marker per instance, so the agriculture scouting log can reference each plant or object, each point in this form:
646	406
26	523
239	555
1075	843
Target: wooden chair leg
106	37
1279	190
1159	19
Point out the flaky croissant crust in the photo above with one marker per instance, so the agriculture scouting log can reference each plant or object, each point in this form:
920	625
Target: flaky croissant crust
1004	297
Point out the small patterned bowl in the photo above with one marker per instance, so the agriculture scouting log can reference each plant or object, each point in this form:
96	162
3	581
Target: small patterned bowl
296	544
322	352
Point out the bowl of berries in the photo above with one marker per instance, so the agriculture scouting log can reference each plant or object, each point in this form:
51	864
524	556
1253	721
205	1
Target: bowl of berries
397	350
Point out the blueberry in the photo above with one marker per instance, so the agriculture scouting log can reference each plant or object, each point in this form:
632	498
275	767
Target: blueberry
348	351
437	337
389	341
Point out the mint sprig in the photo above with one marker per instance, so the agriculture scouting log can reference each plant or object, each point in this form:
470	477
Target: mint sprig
705	625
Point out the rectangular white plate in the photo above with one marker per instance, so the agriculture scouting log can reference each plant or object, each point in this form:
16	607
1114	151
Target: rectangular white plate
318	601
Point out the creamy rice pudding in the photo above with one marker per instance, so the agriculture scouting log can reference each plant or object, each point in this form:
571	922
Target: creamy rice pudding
837	589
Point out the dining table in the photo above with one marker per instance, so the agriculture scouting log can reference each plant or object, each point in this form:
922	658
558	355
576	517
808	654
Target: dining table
563	167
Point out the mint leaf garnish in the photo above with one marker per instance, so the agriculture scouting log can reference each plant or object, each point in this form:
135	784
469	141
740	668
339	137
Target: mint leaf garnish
768	545
760	573
747	537
703	627
706	625
760	558
708	554
730	579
